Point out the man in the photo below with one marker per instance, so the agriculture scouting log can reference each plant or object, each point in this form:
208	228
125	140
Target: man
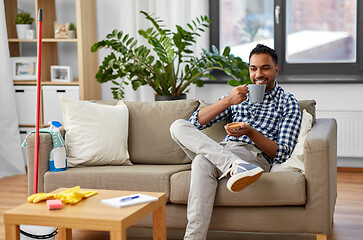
267	132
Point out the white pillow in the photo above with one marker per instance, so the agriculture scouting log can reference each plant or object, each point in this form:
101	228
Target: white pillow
96	134
296	160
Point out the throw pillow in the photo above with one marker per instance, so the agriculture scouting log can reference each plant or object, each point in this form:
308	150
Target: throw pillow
149	139
96	134
296	161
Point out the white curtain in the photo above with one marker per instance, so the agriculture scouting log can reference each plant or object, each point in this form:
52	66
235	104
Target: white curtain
11	156
125	15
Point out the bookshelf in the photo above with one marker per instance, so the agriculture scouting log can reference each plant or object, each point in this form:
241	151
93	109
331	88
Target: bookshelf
87	62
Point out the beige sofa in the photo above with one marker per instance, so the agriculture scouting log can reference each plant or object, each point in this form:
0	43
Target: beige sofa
280	202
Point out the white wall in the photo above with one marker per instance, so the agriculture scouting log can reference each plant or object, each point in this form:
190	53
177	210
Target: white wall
330	97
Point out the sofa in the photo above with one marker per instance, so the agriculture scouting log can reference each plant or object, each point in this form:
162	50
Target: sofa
279	202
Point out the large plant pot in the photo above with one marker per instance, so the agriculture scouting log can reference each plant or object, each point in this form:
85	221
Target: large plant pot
21	30
170	98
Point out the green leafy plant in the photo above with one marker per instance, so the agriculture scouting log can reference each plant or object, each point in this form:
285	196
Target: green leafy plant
23	18
167	64
72	27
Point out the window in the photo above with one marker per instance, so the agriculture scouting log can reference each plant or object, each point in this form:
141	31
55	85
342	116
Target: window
243	23
317	32
309	36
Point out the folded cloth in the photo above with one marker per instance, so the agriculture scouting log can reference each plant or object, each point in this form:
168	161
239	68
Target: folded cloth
68	196
43	130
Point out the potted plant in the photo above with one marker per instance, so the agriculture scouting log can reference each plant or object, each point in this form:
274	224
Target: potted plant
167	64
23	21
71	31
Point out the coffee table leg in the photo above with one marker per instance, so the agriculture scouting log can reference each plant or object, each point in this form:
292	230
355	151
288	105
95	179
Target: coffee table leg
118	235
159	223
12	232
64	234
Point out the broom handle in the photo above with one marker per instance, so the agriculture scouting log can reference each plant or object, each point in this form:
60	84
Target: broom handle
39	54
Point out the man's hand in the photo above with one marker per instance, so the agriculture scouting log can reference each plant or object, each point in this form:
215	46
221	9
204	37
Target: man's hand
238	95
239	129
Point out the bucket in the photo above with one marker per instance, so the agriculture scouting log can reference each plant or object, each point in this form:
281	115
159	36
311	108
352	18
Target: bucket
30	232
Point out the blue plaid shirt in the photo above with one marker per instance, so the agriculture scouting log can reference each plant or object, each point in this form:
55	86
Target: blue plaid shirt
278	118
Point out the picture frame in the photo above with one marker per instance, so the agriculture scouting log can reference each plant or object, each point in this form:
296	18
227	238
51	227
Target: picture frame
24	68
61	73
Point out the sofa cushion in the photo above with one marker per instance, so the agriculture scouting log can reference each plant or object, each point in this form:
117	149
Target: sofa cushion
151	178
272	189
96	134
149	135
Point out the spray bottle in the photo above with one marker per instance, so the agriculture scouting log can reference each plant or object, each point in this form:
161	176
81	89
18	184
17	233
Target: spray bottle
58	158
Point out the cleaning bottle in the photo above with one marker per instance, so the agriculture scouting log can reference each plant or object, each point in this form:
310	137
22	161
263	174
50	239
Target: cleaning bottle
58	157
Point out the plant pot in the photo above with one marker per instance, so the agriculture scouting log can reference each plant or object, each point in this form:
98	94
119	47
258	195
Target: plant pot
170	98
30	34
71	34
21	30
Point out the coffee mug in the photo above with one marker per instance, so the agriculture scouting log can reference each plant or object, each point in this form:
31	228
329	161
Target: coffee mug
257	92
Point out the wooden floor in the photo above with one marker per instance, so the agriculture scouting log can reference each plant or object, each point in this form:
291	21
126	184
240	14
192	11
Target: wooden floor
348	217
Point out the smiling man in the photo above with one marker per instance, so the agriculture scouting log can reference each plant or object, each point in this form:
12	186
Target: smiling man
264	133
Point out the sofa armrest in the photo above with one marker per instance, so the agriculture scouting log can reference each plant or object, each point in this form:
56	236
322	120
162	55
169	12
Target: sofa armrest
45	147
320	156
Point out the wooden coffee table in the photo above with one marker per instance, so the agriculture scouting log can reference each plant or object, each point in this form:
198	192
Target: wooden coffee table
88	214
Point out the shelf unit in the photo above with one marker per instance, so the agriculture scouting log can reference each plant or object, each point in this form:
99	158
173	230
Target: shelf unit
89	88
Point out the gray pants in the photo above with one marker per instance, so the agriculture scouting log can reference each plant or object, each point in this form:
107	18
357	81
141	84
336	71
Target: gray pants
209	160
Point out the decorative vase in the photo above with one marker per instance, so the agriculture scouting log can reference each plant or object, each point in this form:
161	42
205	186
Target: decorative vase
170	98
21	30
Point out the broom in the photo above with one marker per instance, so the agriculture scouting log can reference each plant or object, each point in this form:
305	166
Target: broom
38	229
39	62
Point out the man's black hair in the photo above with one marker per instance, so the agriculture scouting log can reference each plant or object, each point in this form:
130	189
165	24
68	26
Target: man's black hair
260	48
